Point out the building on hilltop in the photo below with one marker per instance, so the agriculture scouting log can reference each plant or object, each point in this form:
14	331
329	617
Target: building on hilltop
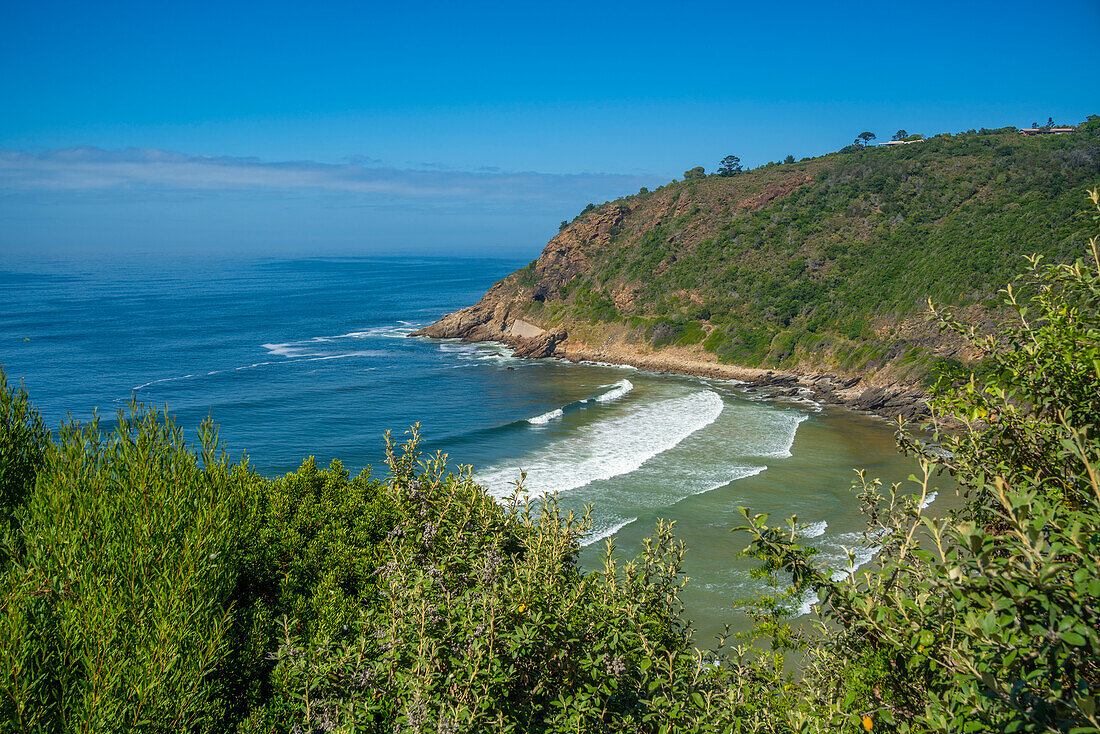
901	142
1047	130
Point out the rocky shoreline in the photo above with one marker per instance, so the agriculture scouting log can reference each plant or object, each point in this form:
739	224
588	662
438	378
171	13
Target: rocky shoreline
888	401
480	324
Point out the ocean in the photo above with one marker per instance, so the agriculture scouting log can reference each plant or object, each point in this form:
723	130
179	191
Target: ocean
312	357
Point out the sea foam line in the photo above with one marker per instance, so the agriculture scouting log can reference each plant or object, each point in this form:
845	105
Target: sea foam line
605	534
607	448
255	365
166	379
741	472
604	364
785	452
545	418
620	388
844	559
301	347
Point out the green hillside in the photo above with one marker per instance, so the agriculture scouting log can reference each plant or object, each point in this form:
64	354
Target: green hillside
826	262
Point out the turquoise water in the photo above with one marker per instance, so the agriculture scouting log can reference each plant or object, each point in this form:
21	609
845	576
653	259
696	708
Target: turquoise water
311	357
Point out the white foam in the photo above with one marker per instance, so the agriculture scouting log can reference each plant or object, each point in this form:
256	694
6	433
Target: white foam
607	448
768	433
844	554
740	472
254	365
344	356
606	364
844	565
308	347
813	405
807	603
393	332
622	387
814	529
504	354
606	533
291	350
465	350
929	500
166	379
545	418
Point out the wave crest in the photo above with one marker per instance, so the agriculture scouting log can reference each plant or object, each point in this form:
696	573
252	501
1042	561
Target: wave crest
620	388
545	418
607	448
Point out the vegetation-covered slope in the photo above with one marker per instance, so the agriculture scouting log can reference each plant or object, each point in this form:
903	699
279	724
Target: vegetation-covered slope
821	265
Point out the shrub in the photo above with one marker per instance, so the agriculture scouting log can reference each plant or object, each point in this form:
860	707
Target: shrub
491	626
144	582
23	445
115	609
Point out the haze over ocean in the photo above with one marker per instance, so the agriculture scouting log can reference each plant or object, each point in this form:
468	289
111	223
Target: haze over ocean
310	356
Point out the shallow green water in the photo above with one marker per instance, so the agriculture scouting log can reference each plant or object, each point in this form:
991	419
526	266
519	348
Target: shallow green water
814	483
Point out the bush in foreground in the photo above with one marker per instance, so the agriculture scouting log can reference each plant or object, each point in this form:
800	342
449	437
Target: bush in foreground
489	625
143	584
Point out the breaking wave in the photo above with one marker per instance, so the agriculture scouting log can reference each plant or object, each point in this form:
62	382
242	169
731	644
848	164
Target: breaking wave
607	448
604	533
814	529
622	387
545	418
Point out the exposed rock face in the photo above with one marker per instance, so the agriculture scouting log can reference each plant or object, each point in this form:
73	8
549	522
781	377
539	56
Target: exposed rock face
536	347
566	254
496	317
771	193
490	319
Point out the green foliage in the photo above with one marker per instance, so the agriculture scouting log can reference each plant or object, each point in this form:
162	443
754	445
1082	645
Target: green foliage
149	587
864	138
23	445
527	277
319	544
115	610
730	166
143	583
591	304
694	173
491	626
681	332
985	621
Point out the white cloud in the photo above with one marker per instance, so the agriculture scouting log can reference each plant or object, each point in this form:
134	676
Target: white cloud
89	169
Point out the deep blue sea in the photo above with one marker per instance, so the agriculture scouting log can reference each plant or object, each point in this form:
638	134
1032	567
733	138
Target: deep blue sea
311	357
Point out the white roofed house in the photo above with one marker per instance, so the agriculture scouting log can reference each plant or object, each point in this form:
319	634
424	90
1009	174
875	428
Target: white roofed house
1047	130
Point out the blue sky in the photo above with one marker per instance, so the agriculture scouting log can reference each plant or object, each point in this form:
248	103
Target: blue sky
359	128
